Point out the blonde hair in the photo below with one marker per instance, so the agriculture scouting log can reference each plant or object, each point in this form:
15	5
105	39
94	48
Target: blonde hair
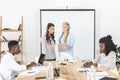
66	23
65	40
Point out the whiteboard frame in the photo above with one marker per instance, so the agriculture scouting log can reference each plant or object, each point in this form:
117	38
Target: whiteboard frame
42	10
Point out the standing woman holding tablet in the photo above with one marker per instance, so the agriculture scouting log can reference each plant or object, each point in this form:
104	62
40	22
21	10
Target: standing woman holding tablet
48	43
67	40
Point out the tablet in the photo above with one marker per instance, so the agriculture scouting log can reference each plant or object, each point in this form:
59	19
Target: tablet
61	47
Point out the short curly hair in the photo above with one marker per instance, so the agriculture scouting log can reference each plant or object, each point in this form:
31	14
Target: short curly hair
12	43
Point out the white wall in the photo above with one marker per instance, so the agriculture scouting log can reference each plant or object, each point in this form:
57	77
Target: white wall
107	18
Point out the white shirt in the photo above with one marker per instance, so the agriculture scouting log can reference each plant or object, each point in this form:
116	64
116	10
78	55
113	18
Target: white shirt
9	65
108	61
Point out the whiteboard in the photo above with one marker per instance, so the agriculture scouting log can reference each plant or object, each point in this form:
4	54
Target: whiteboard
82	26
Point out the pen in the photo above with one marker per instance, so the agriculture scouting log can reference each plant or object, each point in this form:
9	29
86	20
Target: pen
42	77
84	71
31	72
98	71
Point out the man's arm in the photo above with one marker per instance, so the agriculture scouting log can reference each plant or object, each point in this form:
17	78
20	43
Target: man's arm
17	67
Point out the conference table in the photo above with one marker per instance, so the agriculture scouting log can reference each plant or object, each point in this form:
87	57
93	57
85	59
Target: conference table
67	72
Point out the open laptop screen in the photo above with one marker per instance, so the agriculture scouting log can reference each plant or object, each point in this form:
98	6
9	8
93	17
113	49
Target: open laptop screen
41	58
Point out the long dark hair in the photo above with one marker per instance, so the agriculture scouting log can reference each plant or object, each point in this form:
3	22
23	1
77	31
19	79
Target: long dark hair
109	45
51	35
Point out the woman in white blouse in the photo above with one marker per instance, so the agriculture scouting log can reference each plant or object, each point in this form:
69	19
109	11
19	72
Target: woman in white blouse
48	43
107	57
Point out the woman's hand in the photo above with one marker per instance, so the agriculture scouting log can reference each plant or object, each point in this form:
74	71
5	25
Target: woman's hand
88	64
65	47
95	64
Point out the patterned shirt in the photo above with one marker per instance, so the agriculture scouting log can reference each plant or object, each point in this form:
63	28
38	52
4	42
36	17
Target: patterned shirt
108	61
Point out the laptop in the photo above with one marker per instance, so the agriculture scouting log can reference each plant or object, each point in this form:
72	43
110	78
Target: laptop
41	59
107	78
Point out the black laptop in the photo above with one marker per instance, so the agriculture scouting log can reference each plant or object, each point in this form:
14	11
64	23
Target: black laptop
108	78
41	59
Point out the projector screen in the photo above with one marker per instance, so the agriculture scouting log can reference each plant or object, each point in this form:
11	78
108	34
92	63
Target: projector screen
82	26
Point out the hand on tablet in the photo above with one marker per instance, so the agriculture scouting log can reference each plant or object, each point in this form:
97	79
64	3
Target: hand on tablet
65	47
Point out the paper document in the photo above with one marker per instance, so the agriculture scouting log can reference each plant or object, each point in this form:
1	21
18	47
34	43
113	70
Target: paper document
34	70
28	73
83	69
96	75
